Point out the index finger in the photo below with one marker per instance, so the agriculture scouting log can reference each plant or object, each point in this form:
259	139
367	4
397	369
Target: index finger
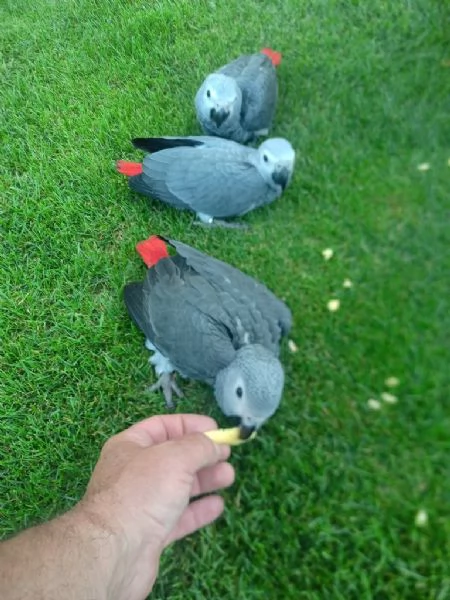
194	452
162	428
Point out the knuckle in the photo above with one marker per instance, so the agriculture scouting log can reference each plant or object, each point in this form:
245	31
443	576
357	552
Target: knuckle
110	444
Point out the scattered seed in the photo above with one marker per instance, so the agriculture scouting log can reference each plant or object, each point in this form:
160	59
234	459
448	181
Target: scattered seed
333	305
424	167
347	283
389	398
373	404
421	519
448	162
327	253
292	346
392	382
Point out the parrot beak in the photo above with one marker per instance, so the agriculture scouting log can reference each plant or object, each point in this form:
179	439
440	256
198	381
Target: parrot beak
245	431
219	116
281	177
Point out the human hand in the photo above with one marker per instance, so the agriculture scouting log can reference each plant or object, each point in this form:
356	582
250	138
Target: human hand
141	488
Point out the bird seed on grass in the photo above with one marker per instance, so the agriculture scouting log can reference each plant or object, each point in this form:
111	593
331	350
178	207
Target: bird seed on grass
424	167
392	382
327	253
347	283
389	398
373	404
333	305
292	346
421	519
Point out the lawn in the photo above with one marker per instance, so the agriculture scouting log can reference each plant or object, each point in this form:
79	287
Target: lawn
325	500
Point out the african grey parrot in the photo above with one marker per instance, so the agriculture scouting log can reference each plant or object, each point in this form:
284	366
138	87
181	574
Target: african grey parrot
211	176
238	100
210	322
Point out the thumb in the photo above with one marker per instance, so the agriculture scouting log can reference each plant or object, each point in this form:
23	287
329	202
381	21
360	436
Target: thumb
196	451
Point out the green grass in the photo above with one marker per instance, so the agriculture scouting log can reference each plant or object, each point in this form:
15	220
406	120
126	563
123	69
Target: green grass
324	502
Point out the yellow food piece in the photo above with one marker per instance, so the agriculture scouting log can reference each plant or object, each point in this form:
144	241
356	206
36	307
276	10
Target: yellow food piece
373	404
292	346
421	519
333	305
392	382
228	436
327	253
389	398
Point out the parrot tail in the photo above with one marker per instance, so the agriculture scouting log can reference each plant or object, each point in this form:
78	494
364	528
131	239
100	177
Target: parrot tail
128	168
152	250
274	56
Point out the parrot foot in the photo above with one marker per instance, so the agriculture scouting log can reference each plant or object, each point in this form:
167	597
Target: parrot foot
167	384
225	224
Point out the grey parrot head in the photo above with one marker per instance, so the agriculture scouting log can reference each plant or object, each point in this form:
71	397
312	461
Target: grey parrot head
250	387
276	160
218	100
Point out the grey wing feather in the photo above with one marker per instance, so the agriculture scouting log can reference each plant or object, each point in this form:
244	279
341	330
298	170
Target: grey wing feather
156	187
238	284
163	143
134	301
260	92
236	67
249	324
184	321
209	181
212	141
257	78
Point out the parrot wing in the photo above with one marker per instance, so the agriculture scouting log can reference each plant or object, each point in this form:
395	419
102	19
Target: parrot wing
134	297
257	78
155	144
259	93
236	67
262	315
214	181
180	314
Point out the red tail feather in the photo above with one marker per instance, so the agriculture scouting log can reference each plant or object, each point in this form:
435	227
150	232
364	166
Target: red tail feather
152	250
274	56
128	168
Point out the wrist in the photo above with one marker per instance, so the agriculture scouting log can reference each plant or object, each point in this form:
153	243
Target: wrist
115	548
103	544
69	557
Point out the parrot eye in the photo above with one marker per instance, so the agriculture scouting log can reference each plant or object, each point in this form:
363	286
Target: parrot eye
239	392
208	94
265	158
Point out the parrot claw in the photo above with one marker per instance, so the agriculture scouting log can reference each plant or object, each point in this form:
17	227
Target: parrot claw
225	224
176	388
167	384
